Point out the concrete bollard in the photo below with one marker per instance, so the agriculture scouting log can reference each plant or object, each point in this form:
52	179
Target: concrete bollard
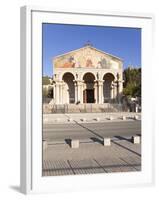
136	139
44	144
83	119
70	120
110	118
75	144
106	142
136	117
124	118
97	119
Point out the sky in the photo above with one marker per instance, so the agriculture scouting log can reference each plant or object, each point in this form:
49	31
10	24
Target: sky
122	42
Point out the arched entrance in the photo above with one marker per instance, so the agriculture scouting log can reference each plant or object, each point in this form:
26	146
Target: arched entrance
69	89
88	92
107	87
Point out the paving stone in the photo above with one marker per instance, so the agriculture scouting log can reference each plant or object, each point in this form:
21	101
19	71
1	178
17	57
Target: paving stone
91	158
85	167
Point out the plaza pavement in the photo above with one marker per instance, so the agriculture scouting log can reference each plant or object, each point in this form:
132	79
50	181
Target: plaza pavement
91	156
88	117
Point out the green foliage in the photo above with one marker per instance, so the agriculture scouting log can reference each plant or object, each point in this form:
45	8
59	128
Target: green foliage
45	80
132	82
47	92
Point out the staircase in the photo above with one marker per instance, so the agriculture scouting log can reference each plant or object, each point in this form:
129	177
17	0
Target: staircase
83	108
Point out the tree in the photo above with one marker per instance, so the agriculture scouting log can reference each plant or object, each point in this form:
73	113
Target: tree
47	90
46	80
132	82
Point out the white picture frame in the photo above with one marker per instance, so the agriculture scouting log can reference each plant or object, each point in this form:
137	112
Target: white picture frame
31	102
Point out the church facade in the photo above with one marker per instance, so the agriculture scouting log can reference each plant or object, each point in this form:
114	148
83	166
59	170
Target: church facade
87	75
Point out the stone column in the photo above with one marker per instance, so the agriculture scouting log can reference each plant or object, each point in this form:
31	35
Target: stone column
79	91
57	94
119	90
76	92
53	90
100	91
112	91
96	91
61	92
120	87
115	90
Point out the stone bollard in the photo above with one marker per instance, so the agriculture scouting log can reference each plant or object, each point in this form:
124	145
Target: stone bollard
136	117
110	118
106	142
57	119
124	118
44	145
75	144
97	119
136	139
70	119
83	119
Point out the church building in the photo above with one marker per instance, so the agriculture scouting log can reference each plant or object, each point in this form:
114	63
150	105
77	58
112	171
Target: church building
87	75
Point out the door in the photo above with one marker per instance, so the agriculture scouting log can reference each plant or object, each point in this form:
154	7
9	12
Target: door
90	95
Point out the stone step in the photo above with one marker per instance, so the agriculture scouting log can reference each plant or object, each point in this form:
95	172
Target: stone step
82	108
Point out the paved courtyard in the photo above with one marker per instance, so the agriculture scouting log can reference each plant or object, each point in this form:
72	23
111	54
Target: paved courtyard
91	156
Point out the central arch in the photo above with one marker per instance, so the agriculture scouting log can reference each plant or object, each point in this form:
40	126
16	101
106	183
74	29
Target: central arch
107	87
88	92
69	89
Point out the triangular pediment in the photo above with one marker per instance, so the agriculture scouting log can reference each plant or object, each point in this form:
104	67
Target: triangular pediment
86	57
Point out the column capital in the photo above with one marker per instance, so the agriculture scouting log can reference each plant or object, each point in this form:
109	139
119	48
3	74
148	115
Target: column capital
114	83
95	83
100	82
59	83
119	81
100	91
112	86
78	82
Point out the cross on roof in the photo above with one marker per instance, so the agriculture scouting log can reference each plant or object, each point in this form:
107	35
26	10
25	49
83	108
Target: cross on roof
88	43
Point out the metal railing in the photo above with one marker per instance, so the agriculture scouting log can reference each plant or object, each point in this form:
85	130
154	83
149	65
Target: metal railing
85	108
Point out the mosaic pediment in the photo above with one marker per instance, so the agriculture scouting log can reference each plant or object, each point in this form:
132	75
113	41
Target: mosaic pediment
86	57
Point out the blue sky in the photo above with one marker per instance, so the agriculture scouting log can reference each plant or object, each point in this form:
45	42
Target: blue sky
121	42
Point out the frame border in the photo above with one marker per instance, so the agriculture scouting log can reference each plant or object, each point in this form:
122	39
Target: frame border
26	83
